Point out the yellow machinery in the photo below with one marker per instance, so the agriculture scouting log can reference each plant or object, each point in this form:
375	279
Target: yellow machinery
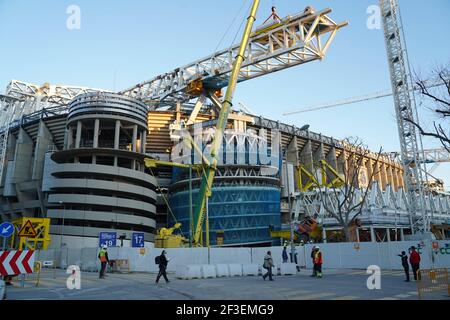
166	239
313	181
36	232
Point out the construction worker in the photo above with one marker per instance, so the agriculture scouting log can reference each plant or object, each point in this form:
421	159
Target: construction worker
313	252
414	260
318	260
163	261
284	254
103	256
405	264
268	264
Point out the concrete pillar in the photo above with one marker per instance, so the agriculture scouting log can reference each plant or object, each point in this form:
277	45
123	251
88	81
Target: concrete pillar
44	143
143	140
372	234
324	235
135	130
357	234
115	162
402	235
117	135
78	138
388	234
96	130
69	144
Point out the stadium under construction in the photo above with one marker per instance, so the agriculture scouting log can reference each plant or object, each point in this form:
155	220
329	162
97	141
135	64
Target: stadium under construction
78	156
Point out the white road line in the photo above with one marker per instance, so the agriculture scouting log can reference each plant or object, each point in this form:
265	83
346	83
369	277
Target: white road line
345	298
402	295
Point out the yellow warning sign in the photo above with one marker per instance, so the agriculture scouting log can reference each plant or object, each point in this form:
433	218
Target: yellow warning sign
27	230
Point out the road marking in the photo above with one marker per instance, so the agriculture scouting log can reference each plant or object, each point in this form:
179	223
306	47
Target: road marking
388	298
413	292
313	296
345	298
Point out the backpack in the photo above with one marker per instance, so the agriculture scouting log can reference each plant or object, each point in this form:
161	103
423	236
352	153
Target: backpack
157	258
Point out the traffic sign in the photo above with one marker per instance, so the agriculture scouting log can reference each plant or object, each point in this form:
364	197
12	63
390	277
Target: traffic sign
107	238
6	229
27	230
137	240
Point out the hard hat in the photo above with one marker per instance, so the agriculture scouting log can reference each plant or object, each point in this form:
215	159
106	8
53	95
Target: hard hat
316	247
104	246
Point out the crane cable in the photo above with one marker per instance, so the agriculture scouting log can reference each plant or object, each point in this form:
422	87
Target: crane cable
231	24
165	199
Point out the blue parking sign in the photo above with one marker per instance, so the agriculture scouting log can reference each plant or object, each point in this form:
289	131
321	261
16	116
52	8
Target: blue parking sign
137	240
107	238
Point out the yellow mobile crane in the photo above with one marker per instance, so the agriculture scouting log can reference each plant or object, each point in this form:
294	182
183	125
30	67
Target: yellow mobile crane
295	40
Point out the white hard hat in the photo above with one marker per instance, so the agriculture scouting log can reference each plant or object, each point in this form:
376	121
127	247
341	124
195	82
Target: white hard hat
104	246
317	247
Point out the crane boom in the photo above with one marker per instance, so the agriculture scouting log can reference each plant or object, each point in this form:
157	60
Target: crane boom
295	40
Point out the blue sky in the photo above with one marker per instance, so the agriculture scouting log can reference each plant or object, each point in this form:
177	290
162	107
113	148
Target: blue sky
123	43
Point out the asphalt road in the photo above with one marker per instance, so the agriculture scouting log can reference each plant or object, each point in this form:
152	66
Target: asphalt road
335	285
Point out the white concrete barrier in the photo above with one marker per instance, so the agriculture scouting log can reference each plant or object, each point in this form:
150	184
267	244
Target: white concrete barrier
250	269
288	269
208	271
235	269
189	271
222	270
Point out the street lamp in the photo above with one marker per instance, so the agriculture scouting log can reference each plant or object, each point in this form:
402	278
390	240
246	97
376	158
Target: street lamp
285	151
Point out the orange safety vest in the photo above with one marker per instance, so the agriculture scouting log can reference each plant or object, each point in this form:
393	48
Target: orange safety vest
102	255
318	258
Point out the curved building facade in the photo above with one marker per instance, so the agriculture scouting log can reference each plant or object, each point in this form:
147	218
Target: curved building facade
98	183
245	197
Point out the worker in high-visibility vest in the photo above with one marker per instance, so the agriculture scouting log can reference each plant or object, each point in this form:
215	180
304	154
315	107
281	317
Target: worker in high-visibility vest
318	260
103	256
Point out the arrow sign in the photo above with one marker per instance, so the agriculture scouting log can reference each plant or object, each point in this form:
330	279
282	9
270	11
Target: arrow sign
16	262
6	229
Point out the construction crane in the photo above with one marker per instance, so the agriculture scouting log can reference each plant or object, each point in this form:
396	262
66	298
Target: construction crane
353	100
405	108
279	45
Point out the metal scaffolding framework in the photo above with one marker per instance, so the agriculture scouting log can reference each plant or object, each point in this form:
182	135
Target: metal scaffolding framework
295	40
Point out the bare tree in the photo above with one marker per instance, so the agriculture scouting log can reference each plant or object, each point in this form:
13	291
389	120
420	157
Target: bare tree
441	105
346	203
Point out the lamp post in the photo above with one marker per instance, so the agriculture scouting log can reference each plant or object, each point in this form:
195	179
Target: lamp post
291	226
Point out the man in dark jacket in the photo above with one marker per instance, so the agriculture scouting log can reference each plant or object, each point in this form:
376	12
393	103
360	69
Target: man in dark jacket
268	265
163	261
313	251
405	265
284	254
414	260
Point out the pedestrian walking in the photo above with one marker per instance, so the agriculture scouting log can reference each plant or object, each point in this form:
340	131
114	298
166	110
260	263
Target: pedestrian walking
414	260
268	264
318	260
312	259
162	261
103	256
405	264
285	255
